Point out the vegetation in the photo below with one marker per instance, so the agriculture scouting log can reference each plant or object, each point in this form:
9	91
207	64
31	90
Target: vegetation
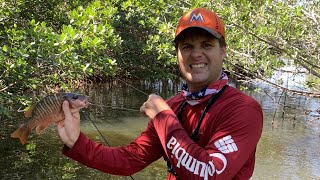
45	45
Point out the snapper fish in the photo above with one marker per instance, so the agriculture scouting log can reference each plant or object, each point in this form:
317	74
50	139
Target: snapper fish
46	112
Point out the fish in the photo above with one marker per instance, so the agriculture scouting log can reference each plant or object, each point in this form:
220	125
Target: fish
48	111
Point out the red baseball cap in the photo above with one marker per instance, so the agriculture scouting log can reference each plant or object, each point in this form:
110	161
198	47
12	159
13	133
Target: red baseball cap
202	18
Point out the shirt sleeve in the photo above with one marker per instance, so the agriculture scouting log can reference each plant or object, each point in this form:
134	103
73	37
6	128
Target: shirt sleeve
125	160
229	148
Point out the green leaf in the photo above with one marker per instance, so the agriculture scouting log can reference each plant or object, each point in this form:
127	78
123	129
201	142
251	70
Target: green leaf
4	48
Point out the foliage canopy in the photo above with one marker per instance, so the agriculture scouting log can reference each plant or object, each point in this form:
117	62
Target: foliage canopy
57	43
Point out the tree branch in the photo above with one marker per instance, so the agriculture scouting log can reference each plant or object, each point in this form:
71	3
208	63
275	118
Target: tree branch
317	95
313	72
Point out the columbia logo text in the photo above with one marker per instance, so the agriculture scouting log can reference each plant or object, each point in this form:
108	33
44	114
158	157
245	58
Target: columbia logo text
203	169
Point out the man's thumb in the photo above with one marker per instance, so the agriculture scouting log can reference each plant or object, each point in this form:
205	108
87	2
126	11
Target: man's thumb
66	108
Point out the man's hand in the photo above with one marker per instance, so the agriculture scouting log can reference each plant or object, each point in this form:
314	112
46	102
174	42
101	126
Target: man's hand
153	106
69	128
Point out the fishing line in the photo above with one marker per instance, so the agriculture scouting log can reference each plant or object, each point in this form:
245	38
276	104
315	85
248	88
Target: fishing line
132	86
116	108
94	124
105	140
127	109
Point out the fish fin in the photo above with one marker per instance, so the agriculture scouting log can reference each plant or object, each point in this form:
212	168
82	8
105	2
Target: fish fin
22	133
42	126
28	113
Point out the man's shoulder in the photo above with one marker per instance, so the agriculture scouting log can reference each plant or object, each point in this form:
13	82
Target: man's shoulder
233	94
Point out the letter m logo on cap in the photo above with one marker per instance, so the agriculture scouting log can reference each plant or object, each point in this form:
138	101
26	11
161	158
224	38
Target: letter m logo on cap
195	17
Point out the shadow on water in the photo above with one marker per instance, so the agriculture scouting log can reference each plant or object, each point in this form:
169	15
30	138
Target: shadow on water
289	147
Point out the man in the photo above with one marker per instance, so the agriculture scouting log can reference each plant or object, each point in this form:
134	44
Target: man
208	131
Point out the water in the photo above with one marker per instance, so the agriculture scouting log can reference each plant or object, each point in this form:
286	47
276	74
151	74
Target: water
290	143
289	147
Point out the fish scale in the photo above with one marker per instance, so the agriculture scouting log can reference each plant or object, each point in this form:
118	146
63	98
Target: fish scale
48	111
45	108
48	105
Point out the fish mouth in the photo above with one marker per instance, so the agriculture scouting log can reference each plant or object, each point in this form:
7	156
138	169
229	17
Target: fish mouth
87	103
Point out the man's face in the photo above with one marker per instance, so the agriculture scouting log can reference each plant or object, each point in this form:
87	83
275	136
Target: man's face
200	59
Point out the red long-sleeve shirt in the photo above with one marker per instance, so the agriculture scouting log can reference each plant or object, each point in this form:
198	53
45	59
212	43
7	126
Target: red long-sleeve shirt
226	149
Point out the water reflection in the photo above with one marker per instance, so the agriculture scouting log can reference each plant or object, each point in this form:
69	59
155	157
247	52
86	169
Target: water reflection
290	144
289	147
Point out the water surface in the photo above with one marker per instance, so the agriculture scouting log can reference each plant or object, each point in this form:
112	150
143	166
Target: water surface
289	147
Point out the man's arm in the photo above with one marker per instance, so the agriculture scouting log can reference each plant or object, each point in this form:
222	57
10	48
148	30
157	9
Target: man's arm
124	160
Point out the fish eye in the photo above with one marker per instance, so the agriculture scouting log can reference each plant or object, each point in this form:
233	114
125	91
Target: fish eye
75	96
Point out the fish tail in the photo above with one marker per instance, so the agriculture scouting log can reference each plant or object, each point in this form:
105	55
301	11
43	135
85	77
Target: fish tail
22	133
